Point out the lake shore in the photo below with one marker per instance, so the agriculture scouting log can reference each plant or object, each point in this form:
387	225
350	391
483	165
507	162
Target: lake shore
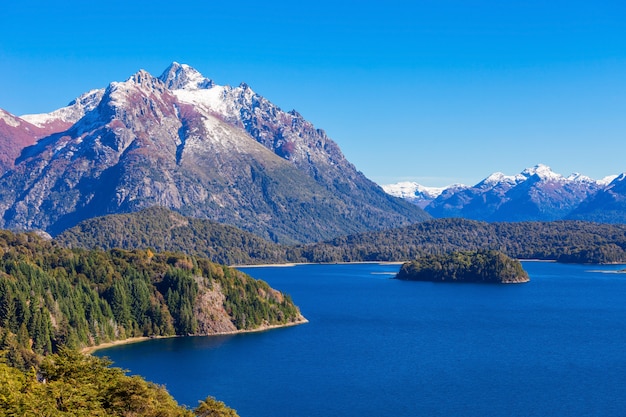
91	349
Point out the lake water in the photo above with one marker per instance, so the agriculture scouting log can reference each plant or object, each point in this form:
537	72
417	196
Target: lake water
380	347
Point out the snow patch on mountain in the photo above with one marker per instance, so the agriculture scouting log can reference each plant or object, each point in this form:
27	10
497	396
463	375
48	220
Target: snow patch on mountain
70	114
577	177
210	100
608	179
543	172
9	119
408	189
417	193
499	178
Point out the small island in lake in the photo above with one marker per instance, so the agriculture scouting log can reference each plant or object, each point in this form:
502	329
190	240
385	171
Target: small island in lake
483	266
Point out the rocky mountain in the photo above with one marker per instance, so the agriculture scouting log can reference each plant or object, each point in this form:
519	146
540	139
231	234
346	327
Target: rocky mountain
182	142
535	194
61	119
607	206
17	133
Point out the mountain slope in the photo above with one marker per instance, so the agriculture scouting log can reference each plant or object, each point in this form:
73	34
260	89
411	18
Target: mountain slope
15	135
536	194
608	205
148	142
294	139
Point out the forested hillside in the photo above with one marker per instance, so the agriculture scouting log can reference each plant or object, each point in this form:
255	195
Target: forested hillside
161	229
52	297
564	241
164	230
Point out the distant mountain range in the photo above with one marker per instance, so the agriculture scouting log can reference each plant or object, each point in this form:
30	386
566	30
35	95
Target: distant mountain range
535	194
182	142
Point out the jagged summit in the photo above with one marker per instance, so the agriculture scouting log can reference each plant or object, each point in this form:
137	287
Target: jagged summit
543	172
183	77
498	178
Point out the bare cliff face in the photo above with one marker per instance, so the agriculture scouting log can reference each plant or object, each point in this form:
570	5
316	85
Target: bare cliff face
181	142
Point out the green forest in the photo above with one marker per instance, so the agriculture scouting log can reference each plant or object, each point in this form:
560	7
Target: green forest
164	230
70	384
562	241
483	266
161	229
55	300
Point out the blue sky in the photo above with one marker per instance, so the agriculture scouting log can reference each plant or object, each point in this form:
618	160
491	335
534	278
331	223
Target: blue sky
436	91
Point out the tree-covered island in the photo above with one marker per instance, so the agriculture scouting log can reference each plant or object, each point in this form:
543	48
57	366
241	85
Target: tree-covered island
483	266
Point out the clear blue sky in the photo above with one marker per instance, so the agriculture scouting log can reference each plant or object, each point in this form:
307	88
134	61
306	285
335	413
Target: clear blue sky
435	91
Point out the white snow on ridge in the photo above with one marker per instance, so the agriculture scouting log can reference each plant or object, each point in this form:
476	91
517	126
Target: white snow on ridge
416	192
209	100
9	119
607	180
500	178
409	189
579	178
71	113
542	171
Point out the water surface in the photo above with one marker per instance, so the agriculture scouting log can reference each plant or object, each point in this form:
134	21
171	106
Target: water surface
377	347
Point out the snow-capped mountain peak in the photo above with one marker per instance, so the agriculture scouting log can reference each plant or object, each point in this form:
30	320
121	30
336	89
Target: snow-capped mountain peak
500	178
417	193
408	189
542	171
142	83
223	153
183	77
577	177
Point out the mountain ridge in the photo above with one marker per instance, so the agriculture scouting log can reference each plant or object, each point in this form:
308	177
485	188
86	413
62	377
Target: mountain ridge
535	194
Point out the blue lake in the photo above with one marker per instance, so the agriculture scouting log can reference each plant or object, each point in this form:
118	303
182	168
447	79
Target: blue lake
379	347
